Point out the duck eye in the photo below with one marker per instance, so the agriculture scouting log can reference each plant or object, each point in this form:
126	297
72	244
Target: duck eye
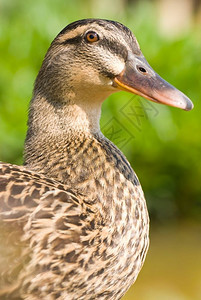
92	37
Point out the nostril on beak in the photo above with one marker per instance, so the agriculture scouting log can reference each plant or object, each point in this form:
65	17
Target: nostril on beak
141	69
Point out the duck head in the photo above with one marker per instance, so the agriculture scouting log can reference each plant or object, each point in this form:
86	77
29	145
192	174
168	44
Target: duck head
93	58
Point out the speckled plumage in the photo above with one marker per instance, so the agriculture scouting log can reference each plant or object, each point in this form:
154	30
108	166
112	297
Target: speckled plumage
73	219
97	225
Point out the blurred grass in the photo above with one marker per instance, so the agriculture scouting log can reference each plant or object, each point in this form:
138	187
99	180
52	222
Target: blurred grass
163	145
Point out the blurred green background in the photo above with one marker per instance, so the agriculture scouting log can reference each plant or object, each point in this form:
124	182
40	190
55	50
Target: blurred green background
163	144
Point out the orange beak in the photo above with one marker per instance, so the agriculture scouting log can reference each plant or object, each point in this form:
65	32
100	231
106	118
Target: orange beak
139	78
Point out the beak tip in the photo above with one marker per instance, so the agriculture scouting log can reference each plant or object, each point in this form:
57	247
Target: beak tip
189	104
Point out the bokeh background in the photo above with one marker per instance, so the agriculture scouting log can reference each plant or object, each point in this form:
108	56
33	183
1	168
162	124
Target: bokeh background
163	144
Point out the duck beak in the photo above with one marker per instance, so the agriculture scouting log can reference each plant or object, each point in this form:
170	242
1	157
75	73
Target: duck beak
139	78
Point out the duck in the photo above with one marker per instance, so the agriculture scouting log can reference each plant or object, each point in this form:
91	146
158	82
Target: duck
73	218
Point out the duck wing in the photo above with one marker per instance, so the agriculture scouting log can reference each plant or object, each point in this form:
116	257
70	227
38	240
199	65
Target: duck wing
43	227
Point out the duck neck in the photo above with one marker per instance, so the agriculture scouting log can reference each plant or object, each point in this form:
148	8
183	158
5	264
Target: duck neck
55	126
59	118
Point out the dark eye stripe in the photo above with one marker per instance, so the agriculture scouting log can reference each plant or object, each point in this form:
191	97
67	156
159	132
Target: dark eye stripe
108	45
115	47
75	40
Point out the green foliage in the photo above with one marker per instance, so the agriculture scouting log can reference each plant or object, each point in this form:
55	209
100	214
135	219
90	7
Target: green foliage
163	145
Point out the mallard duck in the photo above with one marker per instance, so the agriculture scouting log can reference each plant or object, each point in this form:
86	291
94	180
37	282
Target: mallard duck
73	219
